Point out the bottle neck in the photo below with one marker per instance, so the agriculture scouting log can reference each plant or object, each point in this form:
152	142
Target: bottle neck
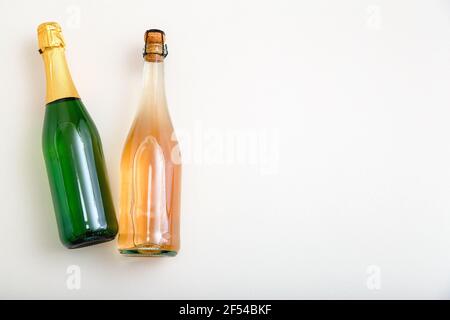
59	81
154	94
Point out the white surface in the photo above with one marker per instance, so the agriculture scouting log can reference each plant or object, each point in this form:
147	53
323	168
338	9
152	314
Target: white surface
353	96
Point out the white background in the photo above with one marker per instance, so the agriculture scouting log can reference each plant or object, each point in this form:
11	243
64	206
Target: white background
353	98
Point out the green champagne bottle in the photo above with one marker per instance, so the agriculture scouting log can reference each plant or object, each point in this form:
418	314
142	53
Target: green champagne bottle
73	153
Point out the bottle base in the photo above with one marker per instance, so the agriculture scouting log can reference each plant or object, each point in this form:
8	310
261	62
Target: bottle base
148	251
86	241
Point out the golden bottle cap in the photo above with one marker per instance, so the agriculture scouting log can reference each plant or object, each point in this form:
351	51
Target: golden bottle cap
155	45
49	36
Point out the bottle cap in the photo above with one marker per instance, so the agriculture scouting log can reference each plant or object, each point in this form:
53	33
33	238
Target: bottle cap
49	36
155	47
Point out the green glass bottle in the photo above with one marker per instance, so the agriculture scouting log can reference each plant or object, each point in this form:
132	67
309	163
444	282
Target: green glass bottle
73	153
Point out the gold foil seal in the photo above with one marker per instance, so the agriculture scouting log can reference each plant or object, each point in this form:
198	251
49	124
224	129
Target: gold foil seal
59	81
50	36
155	49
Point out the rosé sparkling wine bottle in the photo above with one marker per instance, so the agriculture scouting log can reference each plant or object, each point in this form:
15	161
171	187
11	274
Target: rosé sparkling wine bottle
150	185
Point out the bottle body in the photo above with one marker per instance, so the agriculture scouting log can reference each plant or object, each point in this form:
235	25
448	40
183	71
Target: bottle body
149	219
77	175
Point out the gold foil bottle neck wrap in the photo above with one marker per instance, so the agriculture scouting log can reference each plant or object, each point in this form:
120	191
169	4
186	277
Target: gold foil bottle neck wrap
155	49
51	47
50	36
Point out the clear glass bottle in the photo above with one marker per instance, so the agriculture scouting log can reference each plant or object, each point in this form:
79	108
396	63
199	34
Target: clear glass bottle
149	220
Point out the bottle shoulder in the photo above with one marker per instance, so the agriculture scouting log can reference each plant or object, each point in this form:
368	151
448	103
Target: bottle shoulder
144	137
66	121
66	110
